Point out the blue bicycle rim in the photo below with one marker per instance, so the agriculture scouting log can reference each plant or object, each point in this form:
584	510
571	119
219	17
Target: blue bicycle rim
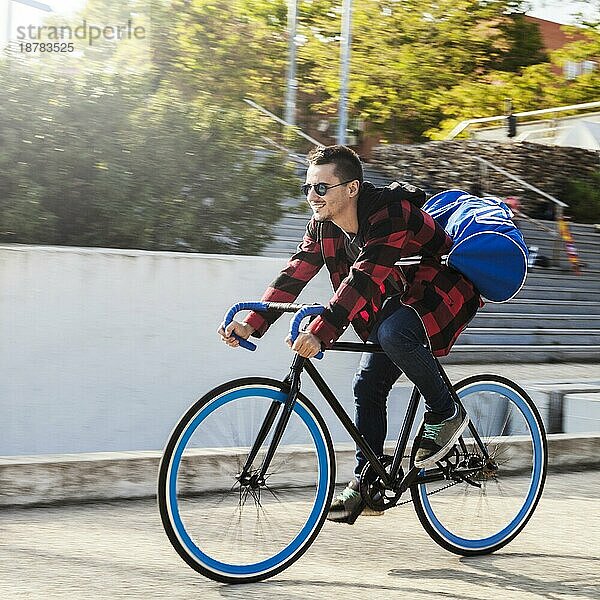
535	481
312	520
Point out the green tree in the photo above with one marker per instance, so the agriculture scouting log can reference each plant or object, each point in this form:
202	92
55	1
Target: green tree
537	86
402	54
106	160
583	198
525	44
228	50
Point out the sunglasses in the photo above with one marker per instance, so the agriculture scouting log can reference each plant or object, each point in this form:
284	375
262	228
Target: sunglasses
321	188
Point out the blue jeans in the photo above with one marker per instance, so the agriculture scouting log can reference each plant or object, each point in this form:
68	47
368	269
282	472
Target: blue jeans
400	333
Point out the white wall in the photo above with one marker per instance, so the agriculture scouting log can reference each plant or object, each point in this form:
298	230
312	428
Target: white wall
103	349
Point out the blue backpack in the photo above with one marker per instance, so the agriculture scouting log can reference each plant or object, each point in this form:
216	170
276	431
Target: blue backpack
488	248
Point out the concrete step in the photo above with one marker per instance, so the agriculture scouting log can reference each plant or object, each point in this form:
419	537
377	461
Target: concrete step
545	307
591	270
115	476
589	254
581	228
587	245
289	233
376	176
553	278
583	234
530	336
282	254
290	229
279	245
589	274
589	261
490	354
546	241
559	293
293	222
296	222
528	321
590	266
293	231
576	228
547	244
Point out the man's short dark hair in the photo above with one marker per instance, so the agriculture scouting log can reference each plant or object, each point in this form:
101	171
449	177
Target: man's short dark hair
347	163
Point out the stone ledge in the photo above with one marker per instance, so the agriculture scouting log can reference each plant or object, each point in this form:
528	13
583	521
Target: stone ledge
101	476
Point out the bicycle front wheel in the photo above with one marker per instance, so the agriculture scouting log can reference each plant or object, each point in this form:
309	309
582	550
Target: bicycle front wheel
482	515
238	530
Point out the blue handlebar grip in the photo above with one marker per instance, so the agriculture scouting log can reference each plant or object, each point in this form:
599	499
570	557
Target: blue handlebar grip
236	308
245	343
298	317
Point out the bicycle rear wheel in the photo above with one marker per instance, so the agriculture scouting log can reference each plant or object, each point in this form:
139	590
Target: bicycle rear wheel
486	514
233	531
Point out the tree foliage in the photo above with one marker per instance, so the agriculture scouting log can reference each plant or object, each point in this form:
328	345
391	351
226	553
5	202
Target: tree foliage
121	157
584	199
525	46
402	54
150	145
231	49
536	86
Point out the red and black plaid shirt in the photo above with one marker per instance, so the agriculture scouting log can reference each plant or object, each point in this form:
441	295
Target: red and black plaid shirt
391	227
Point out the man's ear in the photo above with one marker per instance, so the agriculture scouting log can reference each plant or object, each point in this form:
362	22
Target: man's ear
354	187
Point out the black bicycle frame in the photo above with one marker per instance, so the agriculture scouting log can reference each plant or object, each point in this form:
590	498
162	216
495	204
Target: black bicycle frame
300	364
293	380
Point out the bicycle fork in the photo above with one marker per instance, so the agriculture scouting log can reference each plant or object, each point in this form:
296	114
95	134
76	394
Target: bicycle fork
257	479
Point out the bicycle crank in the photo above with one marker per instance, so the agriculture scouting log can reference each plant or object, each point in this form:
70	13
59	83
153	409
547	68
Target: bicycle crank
374	492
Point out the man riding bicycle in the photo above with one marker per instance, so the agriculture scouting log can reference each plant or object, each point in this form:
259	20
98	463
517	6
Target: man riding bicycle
359	231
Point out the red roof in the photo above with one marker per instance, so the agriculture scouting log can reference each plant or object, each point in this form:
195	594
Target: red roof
553	36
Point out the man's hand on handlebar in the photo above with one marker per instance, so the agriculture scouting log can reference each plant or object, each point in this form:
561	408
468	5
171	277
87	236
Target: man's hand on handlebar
242	329
306	345
235	334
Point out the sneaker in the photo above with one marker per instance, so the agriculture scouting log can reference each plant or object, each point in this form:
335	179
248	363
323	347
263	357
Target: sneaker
348	505
438	436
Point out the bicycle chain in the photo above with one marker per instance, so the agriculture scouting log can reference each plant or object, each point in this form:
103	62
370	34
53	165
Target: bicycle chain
428	493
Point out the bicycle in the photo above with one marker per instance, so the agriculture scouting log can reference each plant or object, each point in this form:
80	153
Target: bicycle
273	478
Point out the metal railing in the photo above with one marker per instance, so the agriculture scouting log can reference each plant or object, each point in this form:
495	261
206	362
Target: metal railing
560	205
294	128
463	125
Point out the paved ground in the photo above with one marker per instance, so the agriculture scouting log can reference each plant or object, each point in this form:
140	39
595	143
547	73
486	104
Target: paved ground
118	550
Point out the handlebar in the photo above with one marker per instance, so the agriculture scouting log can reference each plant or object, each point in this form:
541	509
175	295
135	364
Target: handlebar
236	308
306	311
301	312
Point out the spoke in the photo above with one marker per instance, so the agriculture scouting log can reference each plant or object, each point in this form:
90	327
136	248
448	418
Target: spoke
232	532
274	494
506	419
481	512
246	523
284	462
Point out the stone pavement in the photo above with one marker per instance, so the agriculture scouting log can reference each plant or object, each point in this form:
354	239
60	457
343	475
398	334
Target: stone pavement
115	551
